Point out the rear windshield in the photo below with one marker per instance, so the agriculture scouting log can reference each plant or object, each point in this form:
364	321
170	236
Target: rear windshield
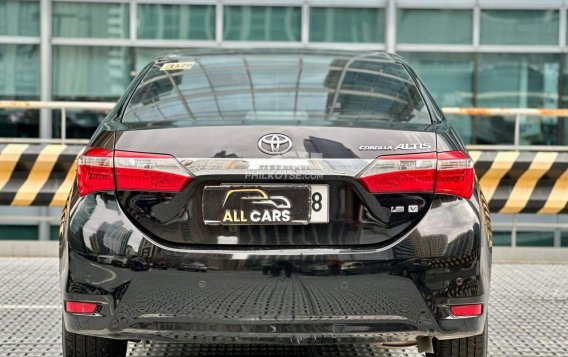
311	90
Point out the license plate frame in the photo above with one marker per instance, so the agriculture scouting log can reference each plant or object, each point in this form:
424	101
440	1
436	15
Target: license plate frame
265	204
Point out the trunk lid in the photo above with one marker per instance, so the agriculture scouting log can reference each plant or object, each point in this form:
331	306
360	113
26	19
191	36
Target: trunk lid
324	160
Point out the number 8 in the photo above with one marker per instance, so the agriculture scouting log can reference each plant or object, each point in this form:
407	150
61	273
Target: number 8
316	202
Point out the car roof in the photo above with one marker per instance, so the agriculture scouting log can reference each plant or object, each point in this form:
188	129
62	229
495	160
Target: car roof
188	54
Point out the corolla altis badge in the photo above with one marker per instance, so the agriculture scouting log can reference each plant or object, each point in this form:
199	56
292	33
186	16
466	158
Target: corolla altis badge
275	144
397	147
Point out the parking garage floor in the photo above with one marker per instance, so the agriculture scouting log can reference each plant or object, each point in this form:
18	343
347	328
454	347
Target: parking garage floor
528	317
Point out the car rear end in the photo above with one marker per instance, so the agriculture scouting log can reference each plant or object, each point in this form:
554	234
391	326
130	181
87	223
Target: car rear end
276	197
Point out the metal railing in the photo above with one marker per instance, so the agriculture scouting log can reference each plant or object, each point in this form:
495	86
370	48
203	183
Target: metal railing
518	113
62	107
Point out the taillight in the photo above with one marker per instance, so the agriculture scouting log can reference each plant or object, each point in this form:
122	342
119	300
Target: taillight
446	173
95	171
455	174
149	172
106	170
401	174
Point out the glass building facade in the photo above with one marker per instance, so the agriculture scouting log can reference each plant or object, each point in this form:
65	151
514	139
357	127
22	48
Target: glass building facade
470	53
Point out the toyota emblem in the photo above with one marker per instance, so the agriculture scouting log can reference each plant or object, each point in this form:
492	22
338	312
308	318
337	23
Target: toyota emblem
275	144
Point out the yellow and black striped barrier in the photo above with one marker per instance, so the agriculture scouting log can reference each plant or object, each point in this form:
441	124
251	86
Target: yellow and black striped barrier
512	181
523	182
36	175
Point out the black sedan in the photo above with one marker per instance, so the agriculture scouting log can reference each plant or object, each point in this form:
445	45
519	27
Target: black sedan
326	188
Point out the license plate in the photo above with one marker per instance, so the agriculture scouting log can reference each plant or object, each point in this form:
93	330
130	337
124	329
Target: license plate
265	204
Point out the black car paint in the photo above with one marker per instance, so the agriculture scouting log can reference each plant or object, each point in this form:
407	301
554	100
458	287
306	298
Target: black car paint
176	218
403	293
456	271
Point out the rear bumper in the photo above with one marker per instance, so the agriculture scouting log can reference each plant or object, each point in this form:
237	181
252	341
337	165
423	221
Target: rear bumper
391	295
250	304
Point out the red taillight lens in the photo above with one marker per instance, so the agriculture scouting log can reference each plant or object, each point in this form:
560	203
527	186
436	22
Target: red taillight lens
95	171
149	172
447	173
455	174
77	307
99	169
400	174
466	310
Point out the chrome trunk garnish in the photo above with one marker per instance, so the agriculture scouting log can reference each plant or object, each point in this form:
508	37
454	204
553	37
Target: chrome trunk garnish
297	166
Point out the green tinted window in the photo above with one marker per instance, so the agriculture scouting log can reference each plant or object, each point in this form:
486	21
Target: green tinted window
435	26
564	87
535	239
517	80
346	25
19	18
261	23
502	239
16	232
564	239
449	78
11	127
519	27
100	73
19	79
80	124
176	21
54	233
19	71
103	20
